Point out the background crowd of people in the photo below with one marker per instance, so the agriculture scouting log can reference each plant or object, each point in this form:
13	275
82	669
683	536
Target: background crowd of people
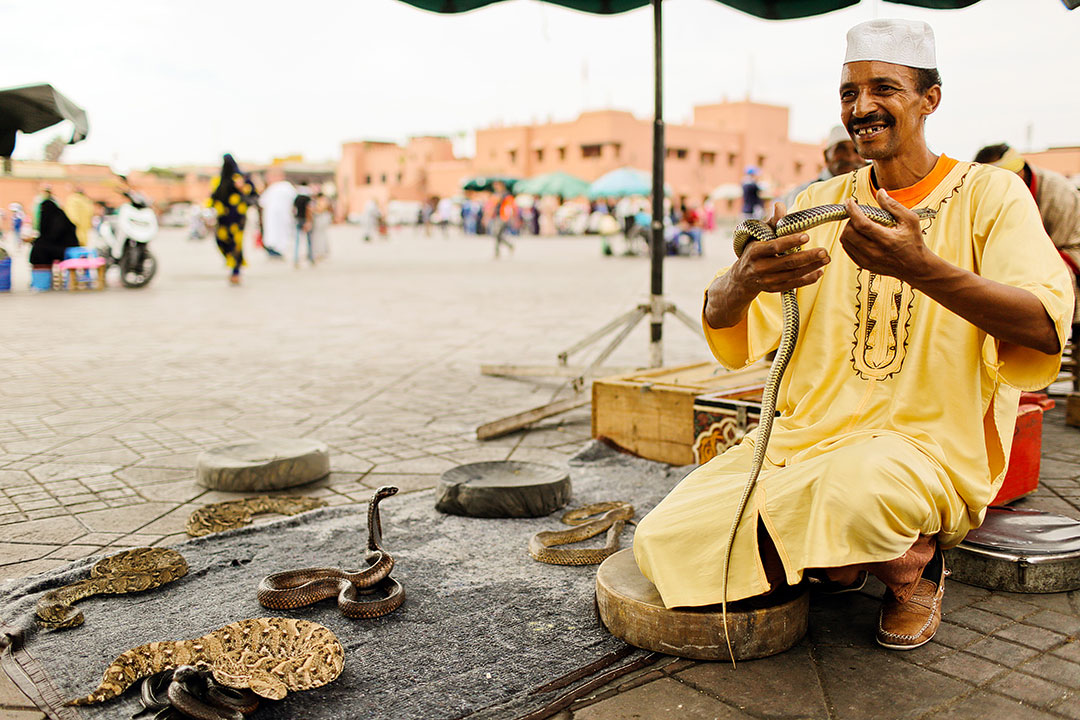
499	213
287	217
291	222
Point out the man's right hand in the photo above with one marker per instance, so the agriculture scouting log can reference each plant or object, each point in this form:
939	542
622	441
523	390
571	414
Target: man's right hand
764	266
774	265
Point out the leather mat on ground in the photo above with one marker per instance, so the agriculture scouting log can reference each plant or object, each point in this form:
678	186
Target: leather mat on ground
483	624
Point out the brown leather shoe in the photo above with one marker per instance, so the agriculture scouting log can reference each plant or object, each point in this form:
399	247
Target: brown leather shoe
906	626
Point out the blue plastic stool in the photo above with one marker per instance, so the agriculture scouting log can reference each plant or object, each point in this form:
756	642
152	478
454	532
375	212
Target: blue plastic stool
40	280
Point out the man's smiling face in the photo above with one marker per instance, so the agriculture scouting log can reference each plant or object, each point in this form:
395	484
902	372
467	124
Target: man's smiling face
882	107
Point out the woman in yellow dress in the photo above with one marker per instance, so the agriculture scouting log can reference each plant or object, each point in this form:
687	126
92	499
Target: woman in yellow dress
231	195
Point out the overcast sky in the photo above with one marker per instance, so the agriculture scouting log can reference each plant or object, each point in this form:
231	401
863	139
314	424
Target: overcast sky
168	82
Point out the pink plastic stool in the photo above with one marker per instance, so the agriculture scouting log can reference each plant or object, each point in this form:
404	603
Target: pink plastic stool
73	265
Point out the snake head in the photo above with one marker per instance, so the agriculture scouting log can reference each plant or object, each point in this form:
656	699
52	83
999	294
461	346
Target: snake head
384	492
374	522
59	616
186	673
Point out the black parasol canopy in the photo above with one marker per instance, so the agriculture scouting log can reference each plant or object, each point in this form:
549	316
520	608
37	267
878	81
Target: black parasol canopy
31	108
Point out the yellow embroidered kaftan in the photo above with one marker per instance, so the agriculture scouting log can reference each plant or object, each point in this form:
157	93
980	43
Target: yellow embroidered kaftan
896	414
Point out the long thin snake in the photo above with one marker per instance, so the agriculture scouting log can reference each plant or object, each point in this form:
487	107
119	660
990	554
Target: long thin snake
755	230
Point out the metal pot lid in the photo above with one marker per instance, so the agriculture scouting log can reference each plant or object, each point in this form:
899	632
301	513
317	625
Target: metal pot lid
1026	532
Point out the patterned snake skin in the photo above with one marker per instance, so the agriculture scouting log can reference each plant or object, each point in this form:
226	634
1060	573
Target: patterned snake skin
189	692
125	572
269	656
231	514
296	588
756	230
616	515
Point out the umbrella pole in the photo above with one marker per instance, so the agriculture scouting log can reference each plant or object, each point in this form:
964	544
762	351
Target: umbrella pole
656	290
655	309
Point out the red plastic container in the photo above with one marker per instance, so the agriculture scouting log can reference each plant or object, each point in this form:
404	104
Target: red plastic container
1022	477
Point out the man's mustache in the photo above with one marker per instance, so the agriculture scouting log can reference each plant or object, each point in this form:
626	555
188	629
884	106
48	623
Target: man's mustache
871	119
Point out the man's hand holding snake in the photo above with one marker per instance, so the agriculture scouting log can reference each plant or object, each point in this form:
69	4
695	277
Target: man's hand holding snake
771	266
898	251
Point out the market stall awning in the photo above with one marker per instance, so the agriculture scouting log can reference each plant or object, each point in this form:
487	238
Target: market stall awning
624	182
727	191
555	183
486	183
31	108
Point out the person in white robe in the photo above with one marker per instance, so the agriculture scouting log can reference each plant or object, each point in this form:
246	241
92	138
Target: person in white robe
276	211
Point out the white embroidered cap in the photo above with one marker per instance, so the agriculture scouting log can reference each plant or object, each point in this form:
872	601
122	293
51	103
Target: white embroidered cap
836	136
901	42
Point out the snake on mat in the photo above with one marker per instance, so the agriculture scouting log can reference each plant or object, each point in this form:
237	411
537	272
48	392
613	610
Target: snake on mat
755	230
615	516
129	571
296	588
231	514
270	656
188	692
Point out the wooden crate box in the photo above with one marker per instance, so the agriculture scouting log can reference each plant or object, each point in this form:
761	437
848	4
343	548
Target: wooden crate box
650	413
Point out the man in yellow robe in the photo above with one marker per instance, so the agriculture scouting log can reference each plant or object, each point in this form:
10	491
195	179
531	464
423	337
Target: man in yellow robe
898	406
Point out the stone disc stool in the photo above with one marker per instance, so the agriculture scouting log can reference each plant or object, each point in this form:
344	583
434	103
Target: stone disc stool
267	464
1028	551
631	609
502	489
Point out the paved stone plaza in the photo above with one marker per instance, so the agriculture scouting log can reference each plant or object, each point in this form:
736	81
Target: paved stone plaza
107	398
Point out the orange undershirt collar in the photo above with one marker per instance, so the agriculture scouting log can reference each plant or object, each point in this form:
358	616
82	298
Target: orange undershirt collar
912	195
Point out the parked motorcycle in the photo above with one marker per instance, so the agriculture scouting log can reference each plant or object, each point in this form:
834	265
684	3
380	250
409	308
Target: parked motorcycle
125	238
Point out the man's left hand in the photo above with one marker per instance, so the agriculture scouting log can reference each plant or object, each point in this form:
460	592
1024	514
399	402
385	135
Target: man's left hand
895	251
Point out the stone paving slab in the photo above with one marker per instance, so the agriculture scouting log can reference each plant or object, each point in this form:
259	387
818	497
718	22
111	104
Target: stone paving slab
663	698
107	399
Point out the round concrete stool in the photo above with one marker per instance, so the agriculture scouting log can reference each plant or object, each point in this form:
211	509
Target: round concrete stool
631	609
266	464
1028	551
502	489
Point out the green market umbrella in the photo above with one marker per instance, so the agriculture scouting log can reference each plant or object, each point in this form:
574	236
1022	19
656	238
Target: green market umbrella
766	9
486	183
554	183
624	182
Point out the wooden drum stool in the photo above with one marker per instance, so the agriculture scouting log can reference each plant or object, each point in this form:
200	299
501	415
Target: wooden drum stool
502	489
631	609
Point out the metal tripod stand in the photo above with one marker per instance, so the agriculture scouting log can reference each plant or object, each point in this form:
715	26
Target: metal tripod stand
581	376
655	309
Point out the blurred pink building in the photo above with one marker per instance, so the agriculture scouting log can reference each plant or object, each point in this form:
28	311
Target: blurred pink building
711	152
384	171
1064	160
